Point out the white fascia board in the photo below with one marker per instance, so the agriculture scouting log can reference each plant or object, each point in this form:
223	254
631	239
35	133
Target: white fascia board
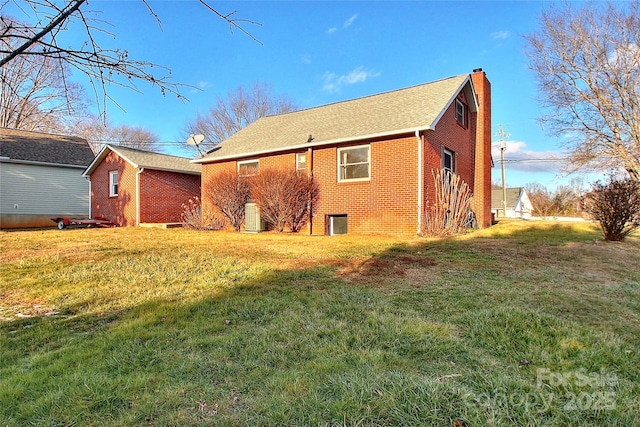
453	97
101	156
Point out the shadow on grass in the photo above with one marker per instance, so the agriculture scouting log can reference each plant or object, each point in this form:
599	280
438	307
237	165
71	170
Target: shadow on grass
424	333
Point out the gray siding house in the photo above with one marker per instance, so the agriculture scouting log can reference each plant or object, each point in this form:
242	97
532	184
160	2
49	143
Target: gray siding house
41	177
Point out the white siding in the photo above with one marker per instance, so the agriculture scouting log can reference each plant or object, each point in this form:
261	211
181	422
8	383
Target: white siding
39	189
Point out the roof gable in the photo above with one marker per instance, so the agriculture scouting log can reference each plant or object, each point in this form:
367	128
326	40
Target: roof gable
147	160
391	113
37	147
513	195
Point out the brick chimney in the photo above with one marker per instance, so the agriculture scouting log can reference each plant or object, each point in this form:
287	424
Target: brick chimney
482	181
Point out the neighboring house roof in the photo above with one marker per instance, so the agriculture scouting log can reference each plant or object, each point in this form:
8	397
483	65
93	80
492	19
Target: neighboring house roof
401	111
42	148
147	160
513	195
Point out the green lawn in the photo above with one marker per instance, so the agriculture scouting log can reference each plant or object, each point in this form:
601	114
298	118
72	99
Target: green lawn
521	324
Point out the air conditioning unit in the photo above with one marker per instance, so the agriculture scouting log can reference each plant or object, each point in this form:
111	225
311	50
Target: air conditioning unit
252	221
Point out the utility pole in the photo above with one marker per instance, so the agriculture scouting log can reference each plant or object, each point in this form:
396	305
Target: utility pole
503	147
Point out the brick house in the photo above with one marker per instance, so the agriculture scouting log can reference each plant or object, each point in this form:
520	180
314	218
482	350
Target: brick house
373	157
132	187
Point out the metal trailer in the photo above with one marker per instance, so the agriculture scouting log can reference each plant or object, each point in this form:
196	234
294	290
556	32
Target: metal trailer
99	221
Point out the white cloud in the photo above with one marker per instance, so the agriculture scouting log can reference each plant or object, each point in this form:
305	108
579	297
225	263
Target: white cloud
306	58
200	87
501	35
346	24
334	83
349	21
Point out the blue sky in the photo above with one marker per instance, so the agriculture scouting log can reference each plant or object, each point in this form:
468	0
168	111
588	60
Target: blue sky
319	52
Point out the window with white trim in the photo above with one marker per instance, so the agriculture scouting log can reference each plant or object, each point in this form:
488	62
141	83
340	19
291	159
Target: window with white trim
248	168
301	161
113	183
448	160
354	163
461	113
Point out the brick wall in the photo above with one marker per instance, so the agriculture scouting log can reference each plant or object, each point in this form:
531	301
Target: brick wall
482	187
120	209
163	193
386	203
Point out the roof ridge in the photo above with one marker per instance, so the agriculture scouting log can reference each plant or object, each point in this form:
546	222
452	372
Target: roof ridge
115	146
344	101
12	131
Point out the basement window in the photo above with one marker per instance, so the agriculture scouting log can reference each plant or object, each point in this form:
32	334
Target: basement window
113	183
337	224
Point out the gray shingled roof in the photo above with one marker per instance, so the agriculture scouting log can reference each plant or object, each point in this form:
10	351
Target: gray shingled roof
148	160
404	110
19	145
512	197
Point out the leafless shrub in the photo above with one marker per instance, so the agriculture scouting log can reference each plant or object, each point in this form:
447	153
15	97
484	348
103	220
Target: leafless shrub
229	193
616	205
285	198
304	194
193	218
449	212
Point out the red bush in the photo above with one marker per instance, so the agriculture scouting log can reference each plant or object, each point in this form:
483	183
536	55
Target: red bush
616	205
229	193
285	198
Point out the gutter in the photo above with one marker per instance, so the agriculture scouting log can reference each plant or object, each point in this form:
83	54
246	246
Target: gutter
316	144
138	195
420	180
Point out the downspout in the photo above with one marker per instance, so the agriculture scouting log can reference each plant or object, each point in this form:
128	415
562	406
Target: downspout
420	180
90	198
310	166
138	196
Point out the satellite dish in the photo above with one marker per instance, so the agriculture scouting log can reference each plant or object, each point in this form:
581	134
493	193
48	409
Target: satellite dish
195	139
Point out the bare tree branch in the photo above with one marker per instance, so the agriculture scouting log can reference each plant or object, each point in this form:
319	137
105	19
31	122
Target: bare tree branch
103	66
587	63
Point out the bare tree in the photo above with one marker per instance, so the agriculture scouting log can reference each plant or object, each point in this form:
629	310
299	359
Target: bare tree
98	132
35	94
103	66
240	108
587	63
541	199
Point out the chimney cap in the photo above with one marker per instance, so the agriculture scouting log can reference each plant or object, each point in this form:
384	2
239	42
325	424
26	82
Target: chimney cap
477	70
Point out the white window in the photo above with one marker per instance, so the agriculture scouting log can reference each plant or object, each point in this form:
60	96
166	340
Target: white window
448	160
461	113
248	167
301	161
113	183
354	163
